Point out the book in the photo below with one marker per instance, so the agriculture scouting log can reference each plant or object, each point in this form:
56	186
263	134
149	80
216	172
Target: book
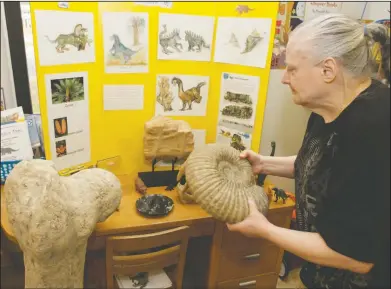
15	142
15	138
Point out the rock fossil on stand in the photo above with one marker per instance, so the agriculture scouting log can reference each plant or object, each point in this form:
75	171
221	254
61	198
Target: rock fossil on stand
167	139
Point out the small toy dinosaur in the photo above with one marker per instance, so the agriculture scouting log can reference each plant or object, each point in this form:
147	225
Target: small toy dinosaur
280	194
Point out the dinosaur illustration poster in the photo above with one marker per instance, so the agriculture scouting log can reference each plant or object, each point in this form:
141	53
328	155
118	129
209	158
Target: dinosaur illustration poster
67	100
185	37
243	41
181	95
125	40
238	101
65	37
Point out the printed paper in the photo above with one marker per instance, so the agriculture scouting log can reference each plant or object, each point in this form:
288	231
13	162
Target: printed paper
185	37
243	41
181	95
238	101
65	37
125	37
123	97
69	120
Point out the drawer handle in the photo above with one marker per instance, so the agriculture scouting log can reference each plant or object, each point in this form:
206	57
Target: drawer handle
252	256
248	283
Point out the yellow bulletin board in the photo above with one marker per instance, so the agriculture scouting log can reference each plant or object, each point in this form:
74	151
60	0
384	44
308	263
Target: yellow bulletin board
121	132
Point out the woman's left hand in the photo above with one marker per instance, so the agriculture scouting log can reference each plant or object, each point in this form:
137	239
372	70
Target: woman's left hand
255	225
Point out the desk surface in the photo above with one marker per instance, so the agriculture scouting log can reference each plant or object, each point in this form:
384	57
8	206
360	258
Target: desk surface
127	219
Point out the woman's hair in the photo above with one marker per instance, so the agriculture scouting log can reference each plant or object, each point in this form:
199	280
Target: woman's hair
348	41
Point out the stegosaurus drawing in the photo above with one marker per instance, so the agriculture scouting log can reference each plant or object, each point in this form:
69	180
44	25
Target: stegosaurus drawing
195	41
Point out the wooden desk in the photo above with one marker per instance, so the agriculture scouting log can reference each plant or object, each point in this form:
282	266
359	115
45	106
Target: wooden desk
227	247
128	220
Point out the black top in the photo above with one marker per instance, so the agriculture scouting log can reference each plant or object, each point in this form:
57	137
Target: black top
342	174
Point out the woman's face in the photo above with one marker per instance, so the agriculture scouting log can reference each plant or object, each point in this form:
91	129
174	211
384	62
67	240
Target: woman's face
303	77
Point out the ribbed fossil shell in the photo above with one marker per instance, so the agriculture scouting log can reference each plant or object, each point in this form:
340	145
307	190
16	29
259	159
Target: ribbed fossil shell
222	183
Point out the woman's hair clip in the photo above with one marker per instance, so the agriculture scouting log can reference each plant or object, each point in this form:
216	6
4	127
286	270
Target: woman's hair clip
365	30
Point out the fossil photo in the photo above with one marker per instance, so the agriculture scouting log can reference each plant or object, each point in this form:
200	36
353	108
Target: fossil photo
238	97
61	148
243	112
60	127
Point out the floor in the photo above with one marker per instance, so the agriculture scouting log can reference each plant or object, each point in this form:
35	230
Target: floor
291	281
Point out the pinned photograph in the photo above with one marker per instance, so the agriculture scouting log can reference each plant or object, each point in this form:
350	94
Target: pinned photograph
61	127
67	89
65	37
61	148
238	101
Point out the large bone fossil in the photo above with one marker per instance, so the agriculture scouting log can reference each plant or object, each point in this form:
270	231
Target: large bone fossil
52	218
221	182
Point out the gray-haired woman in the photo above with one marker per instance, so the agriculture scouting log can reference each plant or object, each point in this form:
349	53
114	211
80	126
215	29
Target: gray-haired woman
342	171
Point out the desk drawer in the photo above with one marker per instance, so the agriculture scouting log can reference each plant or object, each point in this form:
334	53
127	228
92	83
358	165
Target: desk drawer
256	282
248	262
234	241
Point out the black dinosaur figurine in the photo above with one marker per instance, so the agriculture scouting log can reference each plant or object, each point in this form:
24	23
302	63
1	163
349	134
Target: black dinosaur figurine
280	194
261	178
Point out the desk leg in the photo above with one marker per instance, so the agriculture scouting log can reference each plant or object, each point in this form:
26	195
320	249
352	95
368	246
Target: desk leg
215	255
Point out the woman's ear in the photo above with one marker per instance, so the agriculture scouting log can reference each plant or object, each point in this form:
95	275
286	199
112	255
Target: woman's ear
329	69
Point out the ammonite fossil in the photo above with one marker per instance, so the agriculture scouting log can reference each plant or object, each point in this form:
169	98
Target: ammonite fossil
221	183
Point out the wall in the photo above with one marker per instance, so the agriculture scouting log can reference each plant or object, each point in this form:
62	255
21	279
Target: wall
377	11
7	79
284	122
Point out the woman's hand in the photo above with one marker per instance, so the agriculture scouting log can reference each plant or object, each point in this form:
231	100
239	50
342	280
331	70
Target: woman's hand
255	225
254	159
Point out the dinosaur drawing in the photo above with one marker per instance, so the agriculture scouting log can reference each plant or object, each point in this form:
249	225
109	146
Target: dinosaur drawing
195	41
243	9
164	98
234	41
121	51
252	40
7	151
78	38
189	96
170	40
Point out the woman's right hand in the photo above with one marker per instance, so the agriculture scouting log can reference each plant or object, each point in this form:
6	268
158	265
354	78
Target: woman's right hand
254	159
